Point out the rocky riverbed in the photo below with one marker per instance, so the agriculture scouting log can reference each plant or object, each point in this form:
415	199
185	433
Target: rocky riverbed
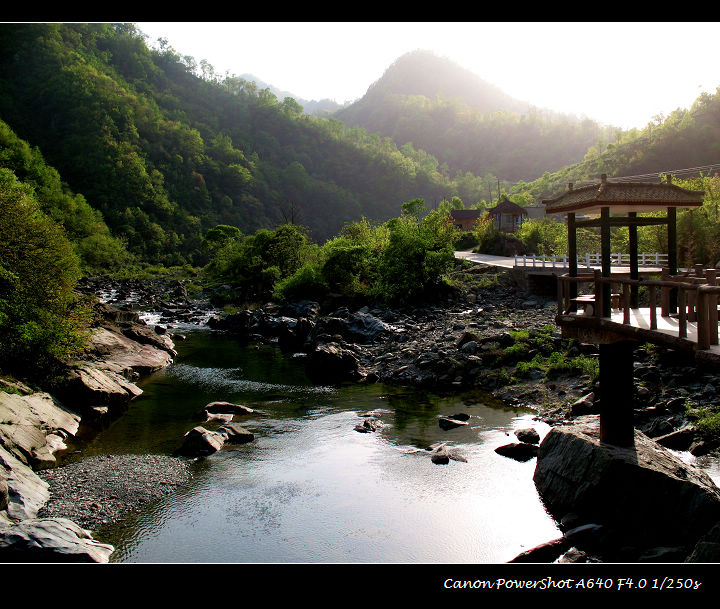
476	337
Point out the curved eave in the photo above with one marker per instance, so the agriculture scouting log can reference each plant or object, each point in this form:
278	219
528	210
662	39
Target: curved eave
593	208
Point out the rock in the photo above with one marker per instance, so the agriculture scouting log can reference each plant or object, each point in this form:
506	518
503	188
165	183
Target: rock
451	422
708	548
234	434
123	351
585	405
27	492
50	540
368	425
520	451
86	386
33	427
643	490
528	435
3	490
200	442
227	408
440	458
330	363
544	553
680	439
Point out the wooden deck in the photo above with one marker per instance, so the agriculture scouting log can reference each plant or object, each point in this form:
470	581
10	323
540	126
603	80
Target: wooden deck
694	327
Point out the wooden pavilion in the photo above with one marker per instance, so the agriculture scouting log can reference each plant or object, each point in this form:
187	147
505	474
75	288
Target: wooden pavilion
607	205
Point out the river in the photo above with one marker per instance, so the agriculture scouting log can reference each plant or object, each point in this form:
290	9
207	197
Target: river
311	489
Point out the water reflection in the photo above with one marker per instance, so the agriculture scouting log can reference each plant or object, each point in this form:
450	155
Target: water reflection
312	489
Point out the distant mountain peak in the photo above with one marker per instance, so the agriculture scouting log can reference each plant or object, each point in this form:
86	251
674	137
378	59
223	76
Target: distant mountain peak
423	72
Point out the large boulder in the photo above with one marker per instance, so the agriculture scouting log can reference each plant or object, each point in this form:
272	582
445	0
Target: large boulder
330	363
33	427
50	540
26	491
644	489
123	352
86	386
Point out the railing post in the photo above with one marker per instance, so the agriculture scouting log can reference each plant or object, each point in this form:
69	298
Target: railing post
653	307
597	273
712	309
703	335
682	313
626	303
664	294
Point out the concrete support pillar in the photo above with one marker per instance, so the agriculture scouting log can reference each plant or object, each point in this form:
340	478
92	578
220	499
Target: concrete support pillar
616	394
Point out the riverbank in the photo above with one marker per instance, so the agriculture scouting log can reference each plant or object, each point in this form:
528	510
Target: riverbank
37	426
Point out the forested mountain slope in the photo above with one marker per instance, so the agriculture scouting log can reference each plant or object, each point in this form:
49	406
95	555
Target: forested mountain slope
165	154
468	123
686	143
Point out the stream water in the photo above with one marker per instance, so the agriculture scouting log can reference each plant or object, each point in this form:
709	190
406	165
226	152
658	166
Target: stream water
311	489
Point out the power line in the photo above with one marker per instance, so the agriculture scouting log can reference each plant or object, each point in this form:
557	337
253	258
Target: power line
646	177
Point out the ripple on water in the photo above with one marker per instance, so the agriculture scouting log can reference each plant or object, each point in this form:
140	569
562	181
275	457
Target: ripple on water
226	379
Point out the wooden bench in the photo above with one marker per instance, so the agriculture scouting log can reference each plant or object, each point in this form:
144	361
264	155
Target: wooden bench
587	302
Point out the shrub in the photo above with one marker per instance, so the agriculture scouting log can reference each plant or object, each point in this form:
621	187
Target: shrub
306	282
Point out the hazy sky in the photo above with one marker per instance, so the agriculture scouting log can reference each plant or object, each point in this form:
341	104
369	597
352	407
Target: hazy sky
621	74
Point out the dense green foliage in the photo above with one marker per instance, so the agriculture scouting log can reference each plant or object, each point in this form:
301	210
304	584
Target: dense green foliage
40	319
84	226
395	261
166	150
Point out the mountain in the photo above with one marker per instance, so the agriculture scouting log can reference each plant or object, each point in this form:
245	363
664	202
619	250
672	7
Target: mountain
315	107
164	150
467	123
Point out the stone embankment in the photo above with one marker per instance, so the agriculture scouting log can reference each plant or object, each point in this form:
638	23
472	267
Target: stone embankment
35	427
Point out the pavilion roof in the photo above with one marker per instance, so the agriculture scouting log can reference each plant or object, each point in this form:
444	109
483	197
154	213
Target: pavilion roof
623	197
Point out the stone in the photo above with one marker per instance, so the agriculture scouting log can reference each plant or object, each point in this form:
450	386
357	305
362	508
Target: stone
585	405
451	422
227	408
644	489
200	442
126	352
234	434
26	491
528	435
520	451
33	427
330	363
708	548
87	385
4	494
680	439
368	425
50	540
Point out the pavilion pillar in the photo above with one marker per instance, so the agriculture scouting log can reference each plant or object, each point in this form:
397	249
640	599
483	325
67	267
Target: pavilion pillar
634	270
605	259
672	252
572	253
616	394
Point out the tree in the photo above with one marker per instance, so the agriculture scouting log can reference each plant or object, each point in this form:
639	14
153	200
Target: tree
41	321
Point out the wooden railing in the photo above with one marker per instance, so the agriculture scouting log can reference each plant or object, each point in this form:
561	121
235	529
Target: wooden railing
697	299
589	260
